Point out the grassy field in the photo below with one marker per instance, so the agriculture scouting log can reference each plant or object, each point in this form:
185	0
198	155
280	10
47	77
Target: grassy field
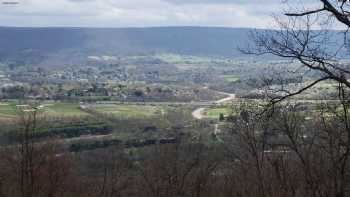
186	59
131	111
10	109
214	113
64	109
231	78
7	110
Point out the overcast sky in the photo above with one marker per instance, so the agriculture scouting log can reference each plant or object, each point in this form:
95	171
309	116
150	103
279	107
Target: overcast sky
140	13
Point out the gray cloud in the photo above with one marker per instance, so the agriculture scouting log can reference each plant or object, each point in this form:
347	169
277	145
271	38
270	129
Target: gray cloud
222	1
121	13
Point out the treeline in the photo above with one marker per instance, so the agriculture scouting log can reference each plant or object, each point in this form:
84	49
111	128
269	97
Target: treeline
63	130
93	145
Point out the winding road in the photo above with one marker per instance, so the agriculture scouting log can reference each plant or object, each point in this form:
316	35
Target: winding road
198	113
229	97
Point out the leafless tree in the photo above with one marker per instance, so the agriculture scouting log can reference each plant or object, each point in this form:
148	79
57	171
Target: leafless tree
108	174
304	36
30	167
286	154
178	170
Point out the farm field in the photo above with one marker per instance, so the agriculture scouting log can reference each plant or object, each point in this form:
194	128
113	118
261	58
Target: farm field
7	110
130	111
183	59
231	78
214	113
11	109
64	109
56	109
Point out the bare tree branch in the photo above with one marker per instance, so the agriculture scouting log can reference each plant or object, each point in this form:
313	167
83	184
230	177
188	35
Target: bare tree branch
306	13
280	99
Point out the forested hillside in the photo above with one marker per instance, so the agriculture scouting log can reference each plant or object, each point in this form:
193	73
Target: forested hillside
38	43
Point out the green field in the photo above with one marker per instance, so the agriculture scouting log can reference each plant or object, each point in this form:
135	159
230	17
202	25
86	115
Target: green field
231	78
64	109
214	113
7	110
10	109
130	111
187	59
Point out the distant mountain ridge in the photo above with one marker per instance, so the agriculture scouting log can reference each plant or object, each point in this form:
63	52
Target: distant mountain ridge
206	41
36	44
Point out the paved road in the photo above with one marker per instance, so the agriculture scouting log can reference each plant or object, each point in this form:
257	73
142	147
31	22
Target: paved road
198	113
227	99
216	129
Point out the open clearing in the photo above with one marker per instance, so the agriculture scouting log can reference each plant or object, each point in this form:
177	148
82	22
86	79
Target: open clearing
214	113
130	111
10	109
231	78
64	109
7	110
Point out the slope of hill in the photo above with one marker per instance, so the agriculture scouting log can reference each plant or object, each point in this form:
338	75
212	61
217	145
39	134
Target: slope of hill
64	45
37	43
